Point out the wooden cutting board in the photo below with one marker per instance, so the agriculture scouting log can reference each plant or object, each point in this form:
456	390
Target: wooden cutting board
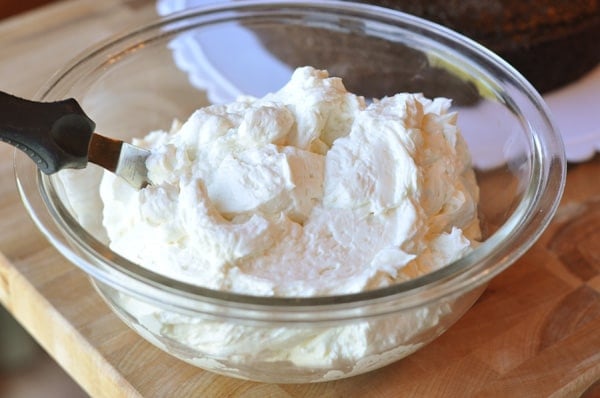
535	332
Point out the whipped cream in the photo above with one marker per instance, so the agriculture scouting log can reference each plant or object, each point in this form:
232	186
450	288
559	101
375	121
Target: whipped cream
307	191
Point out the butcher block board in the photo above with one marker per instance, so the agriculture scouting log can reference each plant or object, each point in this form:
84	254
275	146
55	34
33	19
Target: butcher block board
535	332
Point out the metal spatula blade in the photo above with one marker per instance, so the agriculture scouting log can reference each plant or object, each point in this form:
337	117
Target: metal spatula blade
125	160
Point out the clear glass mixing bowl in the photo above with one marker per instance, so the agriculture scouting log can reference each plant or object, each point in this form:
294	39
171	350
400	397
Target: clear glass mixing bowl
141	81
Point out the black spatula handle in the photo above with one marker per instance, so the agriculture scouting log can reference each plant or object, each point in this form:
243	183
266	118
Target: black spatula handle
56	135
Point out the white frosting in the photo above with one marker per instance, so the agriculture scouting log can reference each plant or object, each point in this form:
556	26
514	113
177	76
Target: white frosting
326	353
307	191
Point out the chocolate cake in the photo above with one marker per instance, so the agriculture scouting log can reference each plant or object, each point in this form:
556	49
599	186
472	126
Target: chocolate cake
370	66
551	42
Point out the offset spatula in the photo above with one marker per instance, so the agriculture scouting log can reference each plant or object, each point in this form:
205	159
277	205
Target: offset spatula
59	135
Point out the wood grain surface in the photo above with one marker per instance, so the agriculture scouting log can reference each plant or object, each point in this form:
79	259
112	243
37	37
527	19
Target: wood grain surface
533	333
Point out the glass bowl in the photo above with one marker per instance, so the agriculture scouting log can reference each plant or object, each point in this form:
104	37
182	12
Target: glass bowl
142	80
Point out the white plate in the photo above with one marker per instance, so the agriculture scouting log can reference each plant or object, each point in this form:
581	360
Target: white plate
575	107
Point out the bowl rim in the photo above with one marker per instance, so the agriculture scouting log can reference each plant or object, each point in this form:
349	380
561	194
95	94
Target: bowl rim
501	249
